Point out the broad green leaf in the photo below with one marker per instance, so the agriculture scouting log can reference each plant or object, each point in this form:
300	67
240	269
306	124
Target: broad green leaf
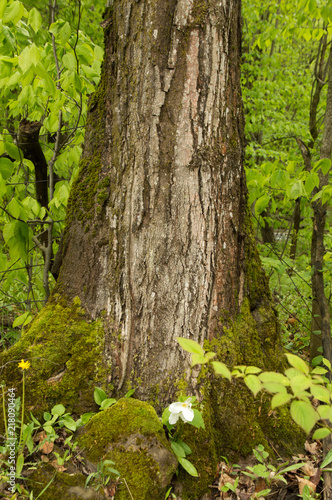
261	204
23	319
3	262
35	19
106	403
3	5
274	387
252	369
13	12
274	377
178	450
14	208
323	411
324	165
297	363
280	399
296	190
188	466
300	383
197	420
321	393
304	415
221	369
197	359
6	168
190	346
311	182
58	410
9	231
209	355
69	61
321	434
13	151
253	383
99	395
186	448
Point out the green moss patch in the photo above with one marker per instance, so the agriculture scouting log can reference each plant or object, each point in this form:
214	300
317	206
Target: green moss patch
66	355
130	434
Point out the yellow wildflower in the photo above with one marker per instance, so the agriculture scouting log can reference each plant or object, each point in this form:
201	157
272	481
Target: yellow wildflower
24	364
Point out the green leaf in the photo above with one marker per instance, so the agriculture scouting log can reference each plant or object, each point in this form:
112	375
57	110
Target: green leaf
58	410
190	346
297	363
311	182
130	393
6	168
280	399
321	393
188	466
106	403
198	359
296	190
221	369
178	450
253	383
23	319
99	395
261	204
13	12
324	165
274	377
327	460
19	464
197	420
35	19
274	387
323	411
252	369
321	434
3	5
186	448
14	208
304	415
69	61
300	383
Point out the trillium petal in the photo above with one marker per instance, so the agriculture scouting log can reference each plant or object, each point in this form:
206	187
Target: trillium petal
173	418
188	414
175	407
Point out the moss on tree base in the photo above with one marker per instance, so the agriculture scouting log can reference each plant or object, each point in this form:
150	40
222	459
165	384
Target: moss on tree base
66	355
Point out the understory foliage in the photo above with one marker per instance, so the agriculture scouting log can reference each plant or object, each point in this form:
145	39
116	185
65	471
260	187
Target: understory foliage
286	54
49	66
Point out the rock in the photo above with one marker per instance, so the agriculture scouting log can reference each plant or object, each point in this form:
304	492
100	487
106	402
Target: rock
131	435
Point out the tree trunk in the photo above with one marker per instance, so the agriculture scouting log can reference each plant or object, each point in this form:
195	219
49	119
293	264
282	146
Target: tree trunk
156	224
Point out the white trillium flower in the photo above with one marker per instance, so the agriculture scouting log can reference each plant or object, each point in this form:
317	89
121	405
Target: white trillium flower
181	410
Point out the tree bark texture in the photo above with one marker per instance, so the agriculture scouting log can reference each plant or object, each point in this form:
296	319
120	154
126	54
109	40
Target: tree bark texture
156	237
320	302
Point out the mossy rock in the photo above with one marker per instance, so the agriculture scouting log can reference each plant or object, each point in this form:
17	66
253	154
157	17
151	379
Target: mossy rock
60	485
66	355
131	434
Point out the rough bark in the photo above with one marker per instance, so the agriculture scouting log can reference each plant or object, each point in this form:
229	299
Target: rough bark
158	246
320	309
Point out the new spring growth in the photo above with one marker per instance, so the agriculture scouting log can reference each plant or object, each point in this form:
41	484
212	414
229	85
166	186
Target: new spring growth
181	410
